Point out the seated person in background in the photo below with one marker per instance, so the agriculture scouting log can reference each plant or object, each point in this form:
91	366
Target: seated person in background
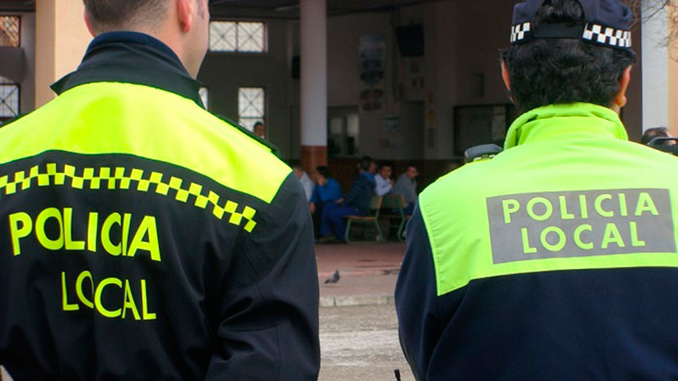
327	190
356	203
372	168
383	180
657	132
305	181
406	185
259	129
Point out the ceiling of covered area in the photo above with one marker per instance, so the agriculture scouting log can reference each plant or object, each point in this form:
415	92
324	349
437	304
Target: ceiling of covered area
289	9
17	5
277	9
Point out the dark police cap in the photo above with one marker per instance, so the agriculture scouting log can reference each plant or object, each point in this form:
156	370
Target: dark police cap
606	23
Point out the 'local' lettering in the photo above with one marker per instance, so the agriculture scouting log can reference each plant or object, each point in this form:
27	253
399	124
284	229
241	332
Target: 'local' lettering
554	238
89	294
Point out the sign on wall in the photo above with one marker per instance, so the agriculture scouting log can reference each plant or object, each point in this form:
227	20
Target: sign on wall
372	50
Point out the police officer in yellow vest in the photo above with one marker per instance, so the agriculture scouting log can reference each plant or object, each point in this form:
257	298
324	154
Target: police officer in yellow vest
142	237
556	259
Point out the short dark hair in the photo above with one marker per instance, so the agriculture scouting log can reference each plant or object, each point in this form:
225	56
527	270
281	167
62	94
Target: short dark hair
655	132
365	162
324	171
385	164
108	15
296	164
557	71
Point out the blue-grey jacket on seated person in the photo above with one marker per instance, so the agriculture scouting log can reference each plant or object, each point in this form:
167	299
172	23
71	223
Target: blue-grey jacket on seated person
361	192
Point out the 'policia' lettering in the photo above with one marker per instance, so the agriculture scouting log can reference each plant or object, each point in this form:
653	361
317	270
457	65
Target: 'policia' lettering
144	238
576	224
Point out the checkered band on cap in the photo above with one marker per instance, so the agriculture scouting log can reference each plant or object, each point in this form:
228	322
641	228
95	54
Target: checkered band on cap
520	32
592	32
604	22
607	36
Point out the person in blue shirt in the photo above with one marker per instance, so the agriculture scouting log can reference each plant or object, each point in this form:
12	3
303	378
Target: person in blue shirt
356	203
327	190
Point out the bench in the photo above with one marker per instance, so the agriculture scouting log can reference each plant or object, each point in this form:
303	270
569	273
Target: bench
369	220
393	205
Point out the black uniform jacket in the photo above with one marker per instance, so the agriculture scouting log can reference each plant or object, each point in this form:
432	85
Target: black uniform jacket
143	238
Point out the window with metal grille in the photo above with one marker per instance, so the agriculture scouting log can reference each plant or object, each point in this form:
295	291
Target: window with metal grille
9	99
251	106
234	36
10	31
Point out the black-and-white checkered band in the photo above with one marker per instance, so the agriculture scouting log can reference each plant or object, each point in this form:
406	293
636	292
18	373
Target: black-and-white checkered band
520	32
607	36
616	38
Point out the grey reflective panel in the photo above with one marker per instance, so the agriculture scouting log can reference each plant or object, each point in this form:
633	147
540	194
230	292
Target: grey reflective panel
580	223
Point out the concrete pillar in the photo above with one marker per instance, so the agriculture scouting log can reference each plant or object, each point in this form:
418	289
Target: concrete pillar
673	81
313	83
61	41
655	69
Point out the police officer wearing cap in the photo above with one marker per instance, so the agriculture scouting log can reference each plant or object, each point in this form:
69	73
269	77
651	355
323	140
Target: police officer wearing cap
557	258
143	238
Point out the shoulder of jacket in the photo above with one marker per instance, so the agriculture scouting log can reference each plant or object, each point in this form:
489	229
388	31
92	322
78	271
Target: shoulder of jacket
273	148
258	162
183	134
459	183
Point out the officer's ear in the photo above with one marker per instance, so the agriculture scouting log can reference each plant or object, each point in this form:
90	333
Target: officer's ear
507	81
619	100
505	76
185	14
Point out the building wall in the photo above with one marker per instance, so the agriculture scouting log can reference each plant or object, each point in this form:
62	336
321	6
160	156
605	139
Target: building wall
632	114
460	67
18	64
224	73
343	61
441	65
61	41
28	44
345	86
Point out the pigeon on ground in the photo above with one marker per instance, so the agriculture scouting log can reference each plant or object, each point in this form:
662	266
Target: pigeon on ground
334	278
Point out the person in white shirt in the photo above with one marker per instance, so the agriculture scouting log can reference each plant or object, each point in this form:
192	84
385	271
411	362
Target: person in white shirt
305	180
383	180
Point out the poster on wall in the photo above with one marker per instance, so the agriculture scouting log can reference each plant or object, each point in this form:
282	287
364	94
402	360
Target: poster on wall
414	84
372	51
391	123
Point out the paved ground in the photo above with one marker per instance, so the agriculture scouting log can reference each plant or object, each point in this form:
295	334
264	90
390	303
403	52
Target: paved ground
360	343
368	272
358	325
